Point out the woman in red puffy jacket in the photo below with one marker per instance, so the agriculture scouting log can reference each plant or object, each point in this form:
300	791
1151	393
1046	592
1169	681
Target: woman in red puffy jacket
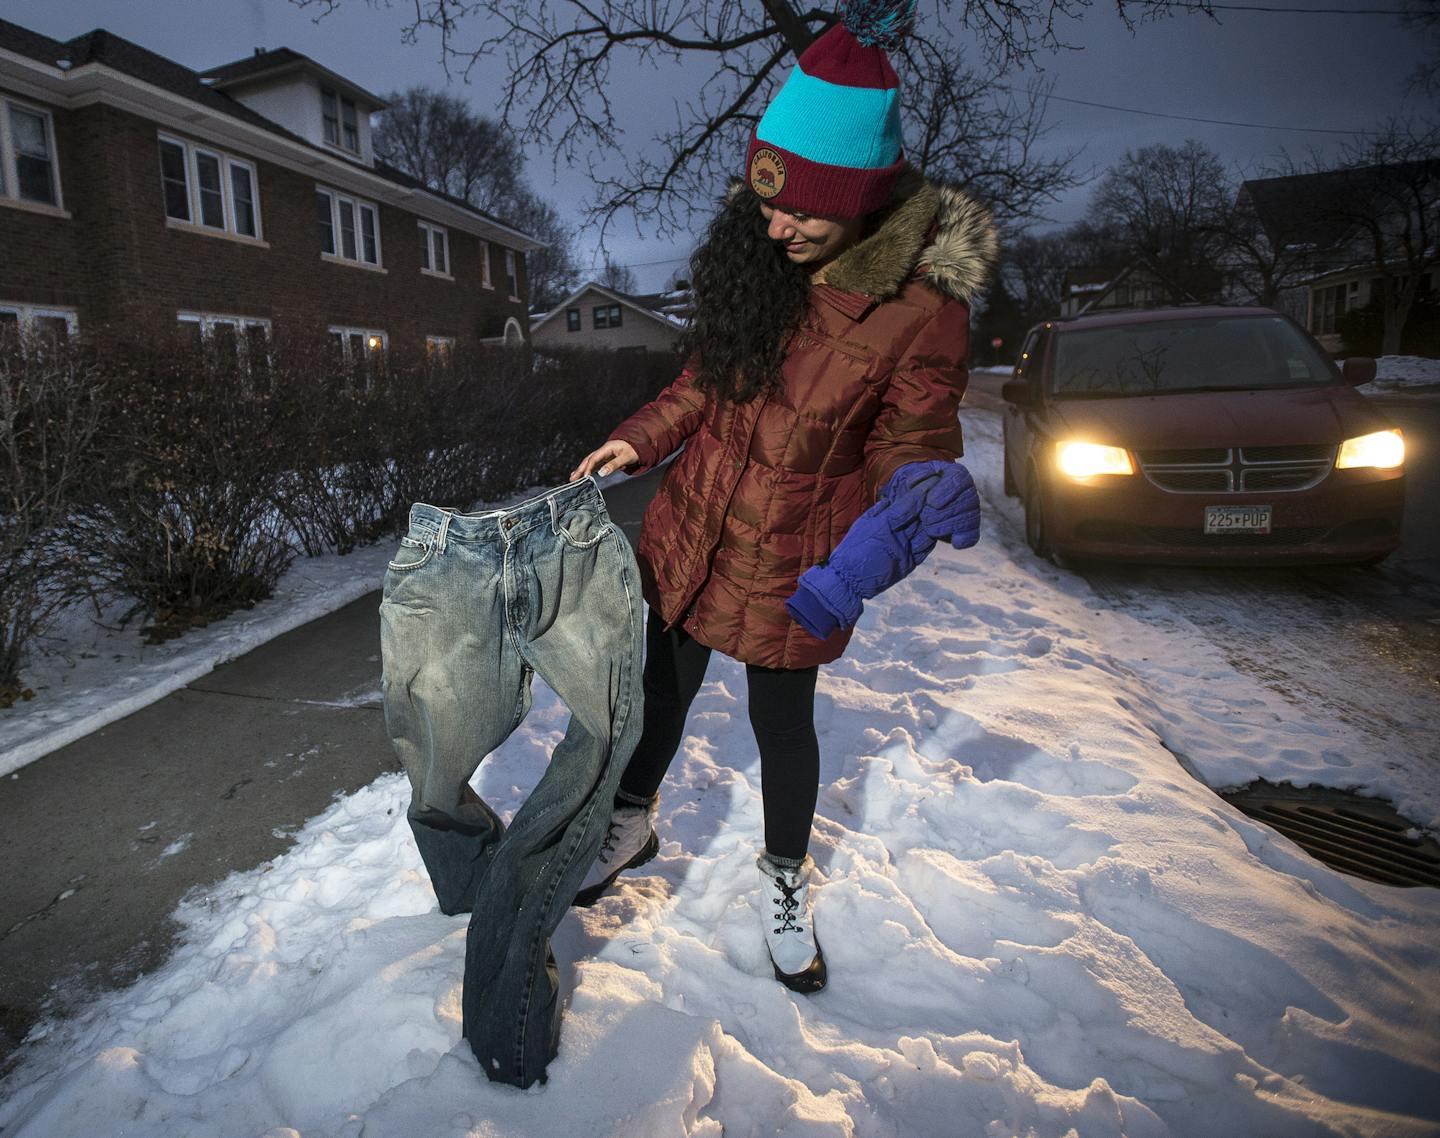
827	349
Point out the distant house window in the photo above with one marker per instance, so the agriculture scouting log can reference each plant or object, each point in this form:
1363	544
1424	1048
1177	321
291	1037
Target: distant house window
1328	305
207	188
485	265
572	319
341	121
434	249
40	321
439	348
28	170
362	349
512	276
349	229
606	316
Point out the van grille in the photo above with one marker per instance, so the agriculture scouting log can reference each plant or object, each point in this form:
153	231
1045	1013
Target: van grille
1237	470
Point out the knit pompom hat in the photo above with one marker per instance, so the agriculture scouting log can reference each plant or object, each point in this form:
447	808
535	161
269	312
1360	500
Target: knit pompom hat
829	143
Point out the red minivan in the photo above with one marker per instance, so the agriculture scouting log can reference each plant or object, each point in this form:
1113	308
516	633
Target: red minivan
1198	434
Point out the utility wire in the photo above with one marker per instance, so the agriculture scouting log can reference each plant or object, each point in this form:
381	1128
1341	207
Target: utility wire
1191	118
1303	11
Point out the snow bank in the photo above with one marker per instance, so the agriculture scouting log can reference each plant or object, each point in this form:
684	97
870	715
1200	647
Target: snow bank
1037	923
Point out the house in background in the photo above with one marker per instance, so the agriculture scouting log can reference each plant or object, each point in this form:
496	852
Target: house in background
137	193
1329	224
1100	288
597	317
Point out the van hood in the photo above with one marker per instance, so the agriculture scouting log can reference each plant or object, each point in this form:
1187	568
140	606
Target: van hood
1218	418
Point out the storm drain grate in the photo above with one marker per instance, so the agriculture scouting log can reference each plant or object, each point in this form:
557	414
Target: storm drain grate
1363	837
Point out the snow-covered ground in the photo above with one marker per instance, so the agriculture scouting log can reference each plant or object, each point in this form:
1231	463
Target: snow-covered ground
1037	922
1397	373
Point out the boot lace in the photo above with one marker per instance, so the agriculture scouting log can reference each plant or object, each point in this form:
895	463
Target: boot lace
788	907
607	845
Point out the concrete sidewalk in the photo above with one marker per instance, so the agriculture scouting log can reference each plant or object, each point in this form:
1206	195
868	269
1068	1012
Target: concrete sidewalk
102	838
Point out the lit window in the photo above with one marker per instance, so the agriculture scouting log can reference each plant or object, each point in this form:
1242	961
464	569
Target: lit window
434	249
28	171
572	319
208	188
439	349
362	350
349	228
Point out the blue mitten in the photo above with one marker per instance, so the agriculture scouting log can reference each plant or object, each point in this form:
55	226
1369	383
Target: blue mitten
874	554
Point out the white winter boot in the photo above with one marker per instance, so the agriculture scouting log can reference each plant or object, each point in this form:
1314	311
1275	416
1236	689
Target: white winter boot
630	841
789	930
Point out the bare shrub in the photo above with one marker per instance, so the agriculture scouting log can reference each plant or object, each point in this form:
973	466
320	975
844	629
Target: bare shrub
193	454
51	404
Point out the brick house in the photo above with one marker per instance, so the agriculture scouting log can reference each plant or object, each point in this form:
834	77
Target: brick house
597	317
237	202
1096	288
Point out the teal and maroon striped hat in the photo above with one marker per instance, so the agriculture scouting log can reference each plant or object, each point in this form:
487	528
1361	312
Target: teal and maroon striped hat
829	143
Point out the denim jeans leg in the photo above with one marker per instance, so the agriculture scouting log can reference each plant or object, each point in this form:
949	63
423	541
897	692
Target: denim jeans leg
574	604
454	688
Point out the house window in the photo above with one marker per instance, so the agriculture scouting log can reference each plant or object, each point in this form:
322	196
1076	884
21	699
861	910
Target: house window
572	319
1328	305
606	316
45	324
512	277
439	349
485	265
28	171
361	349
434	250
207	188
246	339
341	121
349	229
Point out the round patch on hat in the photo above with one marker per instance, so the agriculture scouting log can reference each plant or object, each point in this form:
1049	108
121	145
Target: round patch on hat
767	172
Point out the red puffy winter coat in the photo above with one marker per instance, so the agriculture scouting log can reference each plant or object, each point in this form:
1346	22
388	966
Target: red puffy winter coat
872	379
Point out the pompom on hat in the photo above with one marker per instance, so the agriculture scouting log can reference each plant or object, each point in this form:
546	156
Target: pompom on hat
829	142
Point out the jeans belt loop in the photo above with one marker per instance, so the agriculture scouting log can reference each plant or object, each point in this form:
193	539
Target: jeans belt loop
445	517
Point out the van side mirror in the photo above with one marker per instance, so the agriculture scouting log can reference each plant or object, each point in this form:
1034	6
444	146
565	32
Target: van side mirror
1358	370
1021	392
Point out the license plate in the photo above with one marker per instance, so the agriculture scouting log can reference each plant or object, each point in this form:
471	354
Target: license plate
1237	519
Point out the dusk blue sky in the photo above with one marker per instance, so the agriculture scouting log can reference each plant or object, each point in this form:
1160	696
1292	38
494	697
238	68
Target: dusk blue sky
1337	72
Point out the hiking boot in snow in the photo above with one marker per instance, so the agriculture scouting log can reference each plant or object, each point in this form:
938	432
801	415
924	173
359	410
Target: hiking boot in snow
789	931
630	841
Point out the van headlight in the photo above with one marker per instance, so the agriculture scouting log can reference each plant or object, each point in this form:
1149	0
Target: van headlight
1383	450
1086	460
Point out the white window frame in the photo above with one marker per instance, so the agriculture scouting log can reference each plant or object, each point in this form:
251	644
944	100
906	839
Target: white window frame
27	314
345	331
427	266
357	205
512	274
10	174
208	322
332	97
192	151
442	347
485	280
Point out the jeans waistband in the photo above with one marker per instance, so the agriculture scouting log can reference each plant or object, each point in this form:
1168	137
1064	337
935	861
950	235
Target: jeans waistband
506	524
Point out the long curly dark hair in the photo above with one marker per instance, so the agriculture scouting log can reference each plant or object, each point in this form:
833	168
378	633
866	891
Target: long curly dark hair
748	298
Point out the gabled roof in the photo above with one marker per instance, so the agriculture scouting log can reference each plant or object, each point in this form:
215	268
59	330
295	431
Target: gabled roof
1319	210
265	64
635	303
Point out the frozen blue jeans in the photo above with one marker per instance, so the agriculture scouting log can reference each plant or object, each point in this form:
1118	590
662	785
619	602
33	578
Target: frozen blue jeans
474	606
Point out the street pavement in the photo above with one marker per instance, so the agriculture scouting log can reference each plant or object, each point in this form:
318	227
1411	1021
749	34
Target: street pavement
103	838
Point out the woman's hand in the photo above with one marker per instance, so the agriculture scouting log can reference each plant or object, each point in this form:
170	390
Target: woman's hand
613	455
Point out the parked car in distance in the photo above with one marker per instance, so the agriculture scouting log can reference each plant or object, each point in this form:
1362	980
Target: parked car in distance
1198	434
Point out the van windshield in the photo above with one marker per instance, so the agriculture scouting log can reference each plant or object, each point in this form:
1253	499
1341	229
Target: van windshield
1223	353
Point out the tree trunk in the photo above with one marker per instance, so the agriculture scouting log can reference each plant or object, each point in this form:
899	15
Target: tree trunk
797	34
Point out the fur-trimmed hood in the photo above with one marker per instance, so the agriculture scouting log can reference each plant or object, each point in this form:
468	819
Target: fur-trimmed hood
936	229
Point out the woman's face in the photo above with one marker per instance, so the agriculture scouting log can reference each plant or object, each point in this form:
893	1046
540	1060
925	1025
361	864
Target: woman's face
809	240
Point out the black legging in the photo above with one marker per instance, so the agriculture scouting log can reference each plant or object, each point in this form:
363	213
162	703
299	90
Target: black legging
782	713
